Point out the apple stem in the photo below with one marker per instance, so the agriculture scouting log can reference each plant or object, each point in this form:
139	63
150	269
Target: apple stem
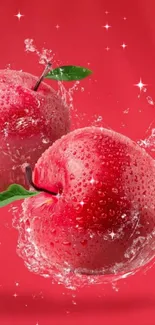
42	76
28	172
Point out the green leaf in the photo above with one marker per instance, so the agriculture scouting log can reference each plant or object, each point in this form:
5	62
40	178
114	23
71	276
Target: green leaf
68	73
13	193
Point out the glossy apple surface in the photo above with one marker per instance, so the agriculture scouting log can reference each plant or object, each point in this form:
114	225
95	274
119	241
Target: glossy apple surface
103	220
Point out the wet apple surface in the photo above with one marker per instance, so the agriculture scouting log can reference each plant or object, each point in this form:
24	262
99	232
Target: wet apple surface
30	121
102	220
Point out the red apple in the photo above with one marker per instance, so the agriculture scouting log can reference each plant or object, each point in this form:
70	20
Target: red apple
30	121
103	220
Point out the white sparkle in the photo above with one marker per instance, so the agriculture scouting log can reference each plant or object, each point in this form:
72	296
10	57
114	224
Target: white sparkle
82	203
57	26
106	12
124	45
92	181
107	26
15	295
140	85
112	235
17	284
107	48
19	15
58	196
123	215
28	229
124	18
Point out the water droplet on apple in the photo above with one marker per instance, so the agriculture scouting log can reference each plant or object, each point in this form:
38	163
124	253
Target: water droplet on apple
66	243
72	176
123	215
79	208
53	231
111	213
101	194
115	190
84	242
45	140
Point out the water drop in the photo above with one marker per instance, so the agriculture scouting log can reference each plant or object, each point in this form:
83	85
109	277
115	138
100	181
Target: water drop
45	140
150	100
115	190
84	242
72	176
66	243
123	215
74	302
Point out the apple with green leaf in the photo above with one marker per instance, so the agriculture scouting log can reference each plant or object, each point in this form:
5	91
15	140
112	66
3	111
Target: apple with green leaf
32	117
93	208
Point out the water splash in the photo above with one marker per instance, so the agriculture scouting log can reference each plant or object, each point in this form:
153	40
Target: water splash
38	263
149	142
67	95
47	56
150	100
126	111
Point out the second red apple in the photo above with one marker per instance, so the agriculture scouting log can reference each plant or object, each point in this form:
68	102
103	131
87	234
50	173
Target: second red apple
103	220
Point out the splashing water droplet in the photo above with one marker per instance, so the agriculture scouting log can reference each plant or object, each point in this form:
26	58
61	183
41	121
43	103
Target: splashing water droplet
149	142
74	302
126	111
115	287
45	56
144	89
150	100
29	46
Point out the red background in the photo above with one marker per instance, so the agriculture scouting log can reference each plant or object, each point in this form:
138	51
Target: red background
81	39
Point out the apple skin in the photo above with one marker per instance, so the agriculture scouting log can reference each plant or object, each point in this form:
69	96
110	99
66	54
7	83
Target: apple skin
30	121
103	221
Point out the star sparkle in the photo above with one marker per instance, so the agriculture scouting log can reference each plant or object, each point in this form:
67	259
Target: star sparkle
107	26
112	234
81	203
140	85
92	181
123	45
106	12
107	48
57	26
15	295
19	15
59	195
